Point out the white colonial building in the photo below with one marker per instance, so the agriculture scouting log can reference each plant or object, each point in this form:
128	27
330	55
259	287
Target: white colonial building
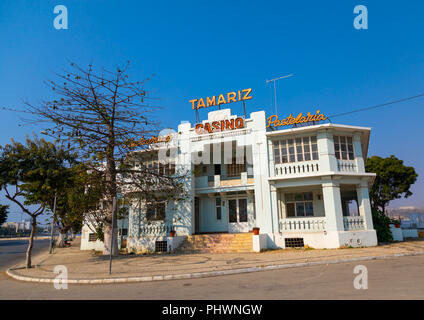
300	186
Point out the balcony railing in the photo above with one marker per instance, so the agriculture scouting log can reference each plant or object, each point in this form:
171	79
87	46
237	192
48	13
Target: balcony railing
353	223
346	166
223	181
315	224
292	169
155	230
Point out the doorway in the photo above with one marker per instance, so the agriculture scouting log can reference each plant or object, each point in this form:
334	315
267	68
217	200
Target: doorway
237	215
196	215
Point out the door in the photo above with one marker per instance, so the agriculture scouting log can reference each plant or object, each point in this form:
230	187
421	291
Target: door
237	215
196	215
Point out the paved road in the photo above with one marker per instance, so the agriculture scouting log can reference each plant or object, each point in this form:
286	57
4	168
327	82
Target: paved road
397	278
13	251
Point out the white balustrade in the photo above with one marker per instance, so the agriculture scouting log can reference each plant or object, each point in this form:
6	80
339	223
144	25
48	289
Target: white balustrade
299	168
313	224
353	223
346	166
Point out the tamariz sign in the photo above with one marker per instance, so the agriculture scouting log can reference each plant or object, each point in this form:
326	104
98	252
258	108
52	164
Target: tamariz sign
233	96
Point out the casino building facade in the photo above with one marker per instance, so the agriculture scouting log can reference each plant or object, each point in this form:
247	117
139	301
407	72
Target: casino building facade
301	186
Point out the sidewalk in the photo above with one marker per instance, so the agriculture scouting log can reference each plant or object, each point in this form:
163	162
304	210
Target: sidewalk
85	267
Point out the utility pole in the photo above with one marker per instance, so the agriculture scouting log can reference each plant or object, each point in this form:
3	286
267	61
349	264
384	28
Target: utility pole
275	90
111	238
52	226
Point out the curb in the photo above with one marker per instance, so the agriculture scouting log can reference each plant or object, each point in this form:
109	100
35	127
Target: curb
10	272
25	238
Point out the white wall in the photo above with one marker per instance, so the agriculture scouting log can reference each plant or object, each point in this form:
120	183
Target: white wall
147	244
89	245
329	240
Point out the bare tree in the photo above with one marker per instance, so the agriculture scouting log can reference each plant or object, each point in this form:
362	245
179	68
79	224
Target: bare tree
97	114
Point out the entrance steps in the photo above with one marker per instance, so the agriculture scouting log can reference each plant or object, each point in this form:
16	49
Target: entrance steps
217	243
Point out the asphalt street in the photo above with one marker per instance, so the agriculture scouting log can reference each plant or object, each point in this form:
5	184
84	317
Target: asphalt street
394	278
13	251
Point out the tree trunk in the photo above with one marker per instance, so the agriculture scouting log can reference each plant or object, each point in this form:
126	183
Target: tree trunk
60	242
31	242
110	193
107	240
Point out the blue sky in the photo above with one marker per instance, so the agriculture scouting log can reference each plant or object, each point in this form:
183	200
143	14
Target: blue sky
198	49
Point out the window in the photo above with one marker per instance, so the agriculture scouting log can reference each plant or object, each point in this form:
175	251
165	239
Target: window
218	208
92	237
153	164
161	246
294	242
237	210
295	150
200	170
156	211
343	148
235	169
242	210
232	210
299	205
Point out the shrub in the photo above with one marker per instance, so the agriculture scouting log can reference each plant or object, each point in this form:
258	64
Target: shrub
381	225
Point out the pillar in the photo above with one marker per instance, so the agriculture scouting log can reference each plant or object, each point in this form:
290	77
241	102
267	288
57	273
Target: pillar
364	205
333	206
274	210
327	158
357	150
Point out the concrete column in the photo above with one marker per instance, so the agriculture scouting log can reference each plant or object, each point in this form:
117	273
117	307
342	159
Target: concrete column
274	209
364	205
333	206
185	209
271	159
217	181
244	178
327	158
357	149
261	173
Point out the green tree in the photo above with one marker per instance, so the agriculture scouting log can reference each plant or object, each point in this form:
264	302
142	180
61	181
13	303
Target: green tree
79	194
28	175
381	225
4	210
393	180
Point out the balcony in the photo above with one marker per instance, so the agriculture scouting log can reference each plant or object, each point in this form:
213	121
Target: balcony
296	169
346	166
312	224
155	230
353	223
218	181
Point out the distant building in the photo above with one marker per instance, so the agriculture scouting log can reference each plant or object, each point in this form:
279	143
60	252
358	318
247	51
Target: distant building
24	225
10	225
410	217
